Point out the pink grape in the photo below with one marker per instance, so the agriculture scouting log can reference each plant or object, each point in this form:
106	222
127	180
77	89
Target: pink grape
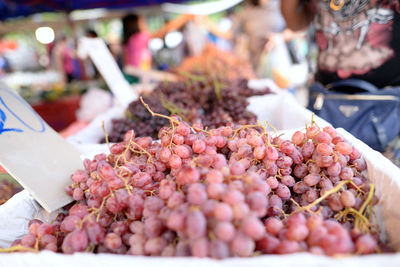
344	148
225	231
298	138
242	245
297	232
223	212
312	179
283	192
347	198
253	228
273	225
366	244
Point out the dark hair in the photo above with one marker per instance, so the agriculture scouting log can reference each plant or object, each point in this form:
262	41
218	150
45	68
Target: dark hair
91	33
255	2
130	24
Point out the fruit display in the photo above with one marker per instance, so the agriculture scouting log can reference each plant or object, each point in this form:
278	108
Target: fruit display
213	60
207	100
234	191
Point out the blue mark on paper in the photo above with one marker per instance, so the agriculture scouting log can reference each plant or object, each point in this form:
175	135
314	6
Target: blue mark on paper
3	117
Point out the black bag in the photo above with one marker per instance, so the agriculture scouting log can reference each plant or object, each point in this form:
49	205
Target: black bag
370	114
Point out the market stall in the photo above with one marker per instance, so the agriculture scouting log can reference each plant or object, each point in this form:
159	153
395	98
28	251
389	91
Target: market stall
207	167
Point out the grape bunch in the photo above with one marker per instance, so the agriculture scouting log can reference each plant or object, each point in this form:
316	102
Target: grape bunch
234	191
210	100
7	190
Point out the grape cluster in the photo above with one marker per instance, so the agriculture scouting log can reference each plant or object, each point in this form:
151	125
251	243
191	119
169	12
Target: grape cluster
226	192
7	190
209	100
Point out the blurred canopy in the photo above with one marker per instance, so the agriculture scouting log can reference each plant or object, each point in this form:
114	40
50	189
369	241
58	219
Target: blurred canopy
16	8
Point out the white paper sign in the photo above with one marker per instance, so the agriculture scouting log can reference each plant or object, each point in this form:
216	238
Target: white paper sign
33	153
105	63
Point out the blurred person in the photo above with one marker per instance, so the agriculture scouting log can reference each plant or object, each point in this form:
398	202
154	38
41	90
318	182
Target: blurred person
201	30
136	37
252	27
356	38
63	59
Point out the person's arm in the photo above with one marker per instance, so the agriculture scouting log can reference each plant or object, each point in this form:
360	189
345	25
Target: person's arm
297	16
171	26
213	28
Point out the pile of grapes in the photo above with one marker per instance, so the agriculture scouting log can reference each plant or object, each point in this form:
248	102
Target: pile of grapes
7	190
227	192
210	101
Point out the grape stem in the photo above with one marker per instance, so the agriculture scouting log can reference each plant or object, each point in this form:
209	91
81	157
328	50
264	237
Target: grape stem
324	196
18	248
173	120
105	135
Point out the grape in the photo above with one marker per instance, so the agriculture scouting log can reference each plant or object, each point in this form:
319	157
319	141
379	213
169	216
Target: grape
287	247
152	227
259	152
223	212
112	241
347	198
324	149
267	244
273	182
312	179
214	176
28	240
346	173
300	187
307	149
240	211
187	175
273	225
296	219
366	244
232	197
284	162
297	232
253	228
225	231
359	164
219	249
300	170
344	148
314	221
242	245
196	194
272	153
196	224
237	168
288	180
334	169
283	192
298	138
312	131
199	248
311	195
323	137
44	229
335	203
330	130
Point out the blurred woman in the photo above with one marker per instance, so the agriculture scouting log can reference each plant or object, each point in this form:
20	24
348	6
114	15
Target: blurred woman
136	37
